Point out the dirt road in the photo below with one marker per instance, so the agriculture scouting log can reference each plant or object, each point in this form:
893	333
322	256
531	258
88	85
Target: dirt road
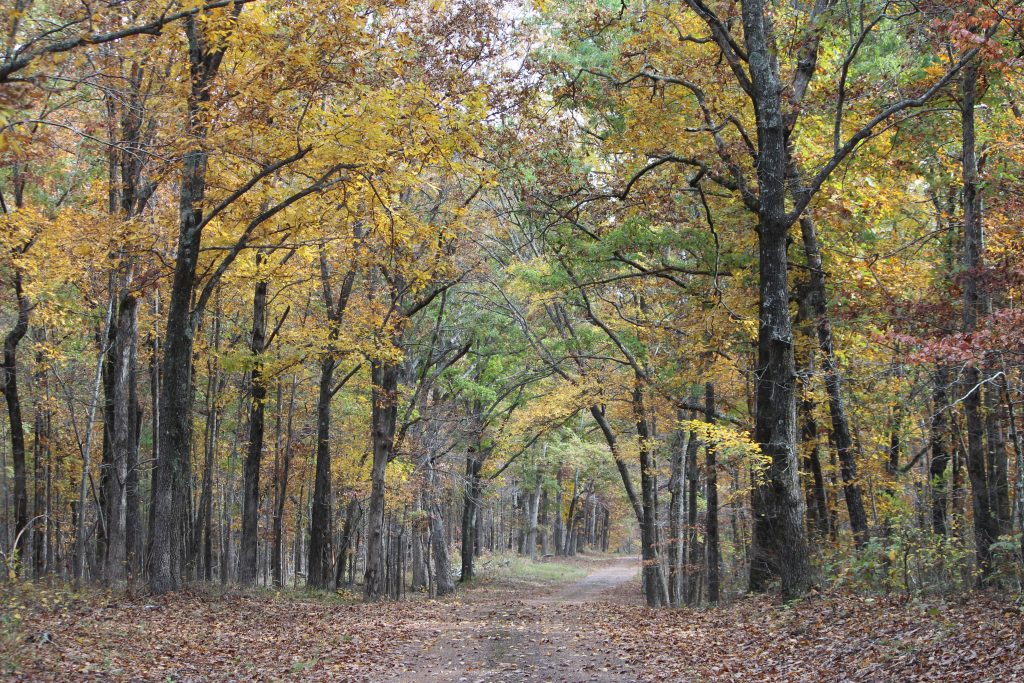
517	637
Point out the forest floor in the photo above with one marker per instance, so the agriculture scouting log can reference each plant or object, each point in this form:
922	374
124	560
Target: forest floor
574	620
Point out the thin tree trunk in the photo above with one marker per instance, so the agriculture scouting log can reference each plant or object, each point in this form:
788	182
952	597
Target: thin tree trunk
470	512
842	439
80	532
677	489
532	514
985	527
318	563
558	532
10	390
940	453
254	451
41	451
209	448
281	493
1018	450
123	439
654	584
438	540
384	416
711	479
348	531
997	463
692	549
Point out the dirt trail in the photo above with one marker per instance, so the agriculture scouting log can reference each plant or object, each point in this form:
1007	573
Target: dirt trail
517	637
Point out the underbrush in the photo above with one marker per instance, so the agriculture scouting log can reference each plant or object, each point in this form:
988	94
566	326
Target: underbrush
915	562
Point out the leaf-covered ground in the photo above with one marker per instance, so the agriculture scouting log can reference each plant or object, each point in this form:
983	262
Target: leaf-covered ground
549	626
977	638
200	638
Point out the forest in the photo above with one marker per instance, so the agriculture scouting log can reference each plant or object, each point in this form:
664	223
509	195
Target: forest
343	336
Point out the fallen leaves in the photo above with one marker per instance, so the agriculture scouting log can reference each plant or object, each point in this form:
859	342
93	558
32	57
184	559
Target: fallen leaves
593	630
827	638
187	637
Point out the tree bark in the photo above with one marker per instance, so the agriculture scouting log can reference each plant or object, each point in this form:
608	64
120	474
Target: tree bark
558	531
711	479
123	437
938	433
677	488
655	591
985	527
443	581
841	436
692	550
254	451
318	565
170	491
470	511
779	543
10	390
997	463
384	416
281	493
533	511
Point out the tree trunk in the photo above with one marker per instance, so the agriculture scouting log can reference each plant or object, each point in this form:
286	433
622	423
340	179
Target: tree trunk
318	564
438	540
420	574
123	437
677	489
10	389
171	481
558	530
42	453
348	532
533	511
654	585
940	453
542	521
205	507
779	543
254	451
281	494
470	511
81	552
384	422
711	478
692	549
818	298
997	463
985	527
1018	450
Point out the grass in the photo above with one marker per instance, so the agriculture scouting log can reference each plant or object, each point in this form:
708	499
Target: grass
509	568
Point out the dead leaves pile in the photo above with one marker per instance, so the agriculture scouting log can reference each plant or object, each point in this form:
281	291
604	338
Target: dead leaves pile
200	638
829	638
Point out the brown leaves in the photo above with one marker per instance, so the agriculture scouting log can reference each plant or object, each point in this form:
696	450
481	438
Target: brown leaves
834	638
496	634
192	638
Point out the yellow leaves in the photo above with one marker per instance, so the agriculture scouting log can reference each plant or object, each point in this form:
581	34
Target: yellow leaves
727	440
